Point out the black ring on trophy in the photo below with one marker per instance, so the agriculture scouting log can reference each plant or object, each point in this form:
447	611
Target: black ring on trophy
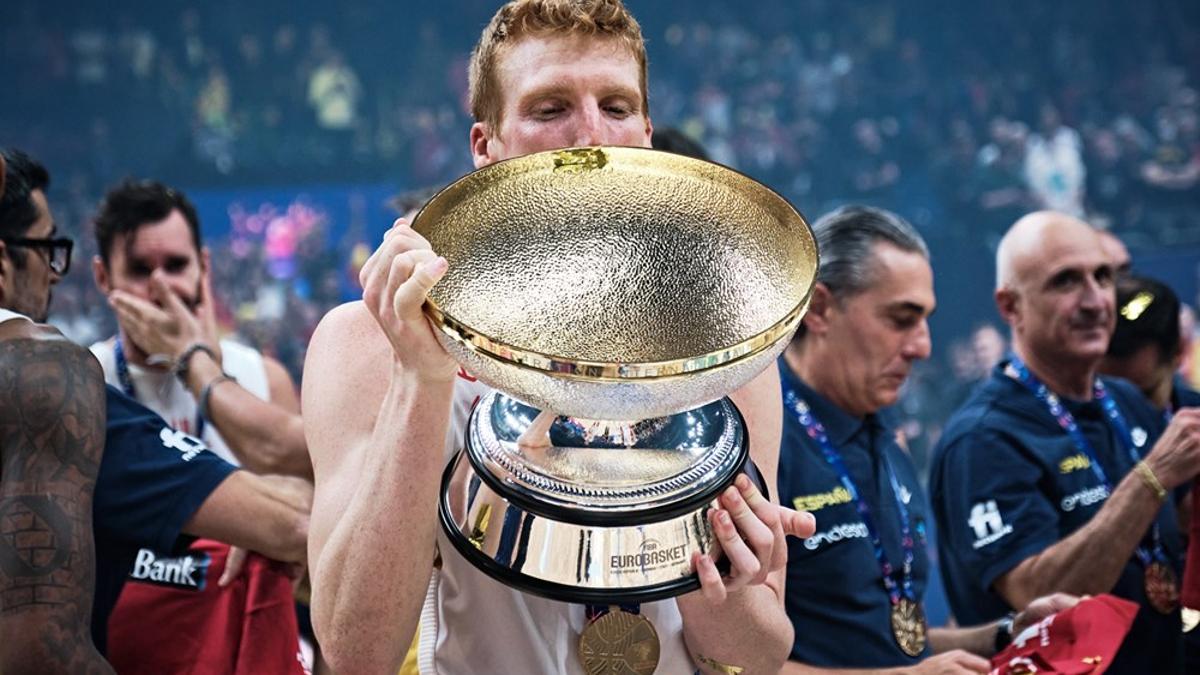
564	592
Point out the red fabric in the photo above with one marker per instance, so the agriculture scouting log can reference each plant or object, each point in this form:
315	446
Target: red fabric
248	627
1078	641
1190	594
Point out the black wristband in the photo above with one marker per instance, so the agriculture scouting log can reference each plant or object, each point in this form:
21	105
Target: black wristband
1004	632
206	393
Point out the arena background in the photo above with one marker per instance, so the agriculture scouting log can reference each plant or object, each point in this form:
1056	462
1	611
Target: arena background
293	126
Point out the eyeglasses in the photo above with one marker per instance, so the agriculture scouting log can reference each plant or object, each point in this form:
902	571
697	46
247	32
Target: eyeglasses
59	248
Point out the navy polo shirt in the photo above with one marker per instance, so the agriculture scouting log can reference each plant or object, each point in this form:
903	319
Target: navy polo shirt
1008	482
835	597
1183	396
152	480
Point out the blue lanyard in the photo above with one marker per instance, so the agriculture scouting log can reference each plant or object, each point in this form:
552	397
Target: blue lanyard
126	381
816	431
596	611
1021	373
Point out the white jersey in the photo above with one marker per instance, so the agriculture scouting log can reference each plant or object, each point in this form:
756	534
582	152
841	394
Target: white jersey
474	624
162	392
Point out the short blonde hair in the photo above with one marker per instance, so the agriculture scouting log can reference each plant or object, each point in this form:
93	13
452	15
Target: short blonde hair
519	18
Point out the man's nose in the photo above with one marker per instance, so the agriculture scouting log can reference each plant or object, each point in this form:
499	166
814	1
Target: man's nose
590	127
920	344
1095	294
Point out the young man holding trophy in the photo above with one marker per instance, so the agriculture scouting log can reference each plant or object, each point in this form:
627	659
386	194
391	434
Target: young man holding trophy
545	75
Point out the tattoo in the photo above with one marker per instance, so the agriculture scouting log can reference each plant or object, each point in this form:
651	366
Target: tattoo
35	536
52	424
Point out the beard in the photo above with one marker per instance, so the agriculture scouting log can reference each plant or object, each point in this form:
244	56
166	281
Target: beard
42	316
31	305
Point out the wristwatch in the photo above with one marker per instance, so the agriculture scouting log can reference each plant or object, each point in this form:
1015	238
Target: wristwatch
1004	632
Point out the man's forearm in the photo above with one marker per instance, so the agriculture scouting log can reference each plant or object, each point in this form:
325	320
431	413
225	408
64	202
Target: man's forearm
264	437
749	631
980	640
1089	561
373	568
797	668
259	513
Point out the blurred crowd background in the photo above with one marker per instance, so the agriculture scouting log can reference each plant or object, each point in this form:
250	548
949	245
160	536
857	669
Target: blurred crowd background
294	126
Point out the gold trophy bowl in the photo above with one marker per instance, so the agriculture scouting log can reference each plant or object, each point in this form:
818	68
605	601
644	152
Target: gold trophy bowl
613	296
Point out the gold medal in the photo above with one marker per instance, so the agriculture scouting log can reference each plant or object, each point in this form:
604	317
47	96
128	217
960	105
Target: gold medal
1162	588
619	643
908	626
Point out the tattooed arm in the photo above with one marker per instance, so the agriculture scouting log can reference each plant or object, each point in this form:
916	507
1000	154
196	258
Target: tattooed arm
51	436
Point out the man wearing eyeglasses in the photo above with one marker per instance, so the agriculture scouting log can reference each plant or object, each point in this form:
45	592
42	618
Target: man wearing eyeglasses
38	256
57	250
72	519
52	409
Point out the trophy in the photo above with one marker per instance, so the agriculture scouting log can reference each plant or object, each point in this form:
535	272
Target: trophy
611	297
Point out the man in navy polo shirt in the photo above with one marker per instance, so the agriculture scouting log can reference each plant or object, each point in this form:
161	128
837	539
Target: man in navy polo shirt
1050	478
152	483
855	588
1146	349
1147	345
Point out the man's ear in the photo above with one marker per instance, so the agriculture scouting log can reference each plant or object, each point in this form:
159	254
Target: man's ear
100	274
482	150
816	319
1181	349
1007	305
6	273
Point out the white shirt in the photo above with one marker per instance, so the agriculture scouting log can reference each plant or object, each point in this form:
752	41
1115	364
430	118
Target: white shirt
474	624
163	393
6	315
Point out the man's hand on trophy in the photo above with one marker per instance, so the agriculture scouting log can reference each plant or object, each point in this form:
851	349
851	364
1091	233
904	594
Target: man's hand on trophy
396	280
751	532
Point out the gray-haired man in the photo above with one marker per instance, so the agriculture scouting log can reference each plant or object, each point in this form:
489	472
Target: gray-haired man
860	580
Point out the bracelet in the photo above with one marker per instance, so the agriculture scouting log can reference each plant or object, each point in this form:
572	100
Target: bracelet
180	367
206	392
718	666
1147	475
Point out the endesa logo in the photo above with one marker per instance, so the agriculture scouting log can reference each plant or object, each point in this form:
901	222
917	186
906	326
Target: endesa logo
187	572
1084	498
837	533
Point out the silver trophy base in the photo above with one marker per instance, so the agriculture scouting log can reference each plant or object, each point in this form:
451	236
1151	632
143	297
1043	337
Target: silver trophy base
591	512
